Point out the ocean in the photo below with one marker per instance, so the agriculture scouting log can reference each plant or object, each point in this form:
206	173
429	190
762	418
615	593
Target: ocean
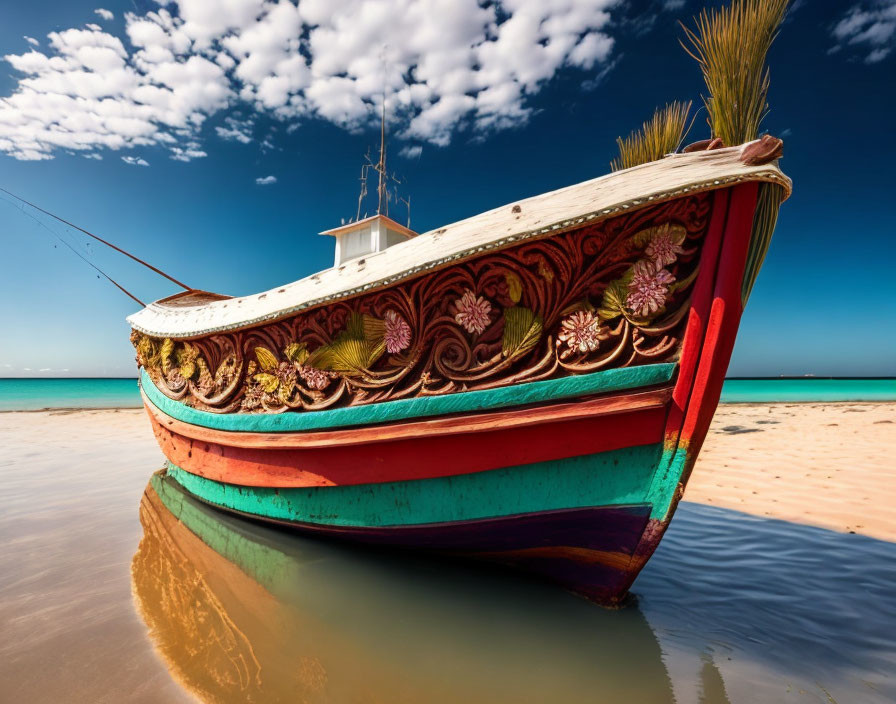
37	394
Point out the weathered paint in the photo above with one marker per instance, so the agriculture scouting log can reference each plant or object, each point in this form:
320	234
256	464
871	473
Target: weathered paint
619	477
390	411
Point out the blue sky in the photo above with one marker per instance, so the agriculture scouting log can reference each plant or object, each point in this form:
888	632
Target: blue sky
505	101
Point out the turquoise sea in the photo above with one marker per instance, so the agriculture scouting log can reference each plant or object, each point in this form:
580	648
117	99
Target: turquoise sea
36	394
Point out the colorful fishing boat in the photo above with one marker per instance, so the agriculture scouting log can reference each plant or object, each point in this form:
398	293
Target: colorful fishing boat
530	386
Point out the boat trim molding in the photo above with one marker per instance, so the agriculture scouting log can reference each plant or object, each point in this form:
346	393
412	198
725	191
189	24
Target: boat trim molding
606	381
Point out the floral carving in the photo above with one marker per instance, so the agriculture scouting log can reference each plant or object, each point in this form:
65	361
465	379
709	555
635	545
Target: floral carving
648	288
580	331
398	333
610	294
472	312
664	247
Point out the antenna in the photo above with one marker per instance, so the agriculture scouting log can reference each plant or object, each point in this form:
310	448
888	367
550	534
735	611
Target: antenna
381	165
384	195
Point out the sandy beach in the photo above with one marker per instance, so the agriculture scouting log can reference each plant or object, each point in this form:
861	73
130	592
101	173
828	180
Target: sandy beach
831	465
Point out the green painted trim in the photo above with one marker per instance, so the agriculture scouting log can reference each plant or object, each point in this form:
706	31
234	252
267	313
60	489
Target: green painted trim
403	409
617	477
665	481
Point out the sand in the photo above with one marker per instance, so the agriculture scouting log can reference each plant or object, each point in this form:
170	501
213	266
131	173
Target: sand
831	465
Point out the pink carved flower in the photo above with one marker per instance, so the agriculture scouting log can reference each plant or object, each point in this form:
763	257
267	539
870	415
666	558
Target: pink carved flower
663	249
648	288
580	331
286	373
472	312
315	378
398	332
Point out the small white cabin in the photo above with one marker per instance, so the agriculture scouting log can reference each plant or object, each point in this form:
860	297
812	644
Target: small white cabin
367	236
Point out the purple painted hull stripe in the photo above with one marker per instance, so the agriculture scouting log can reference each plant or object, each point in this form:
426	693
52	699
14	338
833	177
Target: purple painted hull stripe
603	528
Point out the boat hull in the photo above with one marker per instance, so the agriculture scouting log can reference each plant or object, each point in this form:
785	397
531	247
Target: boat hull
572	477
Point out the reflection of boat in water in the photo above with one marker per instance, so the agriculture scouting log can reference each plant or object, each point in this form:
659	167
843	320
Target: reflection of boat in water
242	612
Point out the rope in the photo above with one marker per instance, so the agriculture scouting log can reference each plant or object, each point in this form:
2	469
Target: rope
83	258
100	239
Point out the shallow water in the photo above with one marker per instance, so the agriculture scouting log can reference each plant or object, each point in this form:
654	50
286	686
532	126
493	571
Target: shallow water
732	608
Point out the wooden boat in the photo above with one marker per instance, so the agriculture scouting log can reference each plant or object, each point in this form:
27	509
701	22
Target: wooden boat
240	612
530	386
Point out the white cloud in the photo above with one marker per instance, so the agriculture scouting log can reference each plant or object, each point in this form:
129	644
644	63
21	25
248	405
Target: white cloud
266	180
446	66
411	151
236	130
869	27
187	153
104	14
31	40
135	161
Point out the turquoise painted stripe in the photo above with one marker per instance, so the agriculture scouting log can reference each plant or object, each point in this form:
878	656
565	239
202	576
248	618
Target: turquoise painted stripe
607	478
390	411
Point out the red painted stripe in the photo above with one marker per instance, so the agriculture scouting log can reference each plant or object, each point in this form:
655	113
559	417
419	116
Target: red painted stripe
724	318
701	300
411	458
456	424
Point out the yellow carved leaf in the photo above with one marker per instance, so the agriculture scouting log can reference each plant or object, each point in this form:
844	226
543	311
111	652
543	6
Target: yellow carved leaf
266	359
522	330
188	369
296	352
514	286
268	382
165	352
355	350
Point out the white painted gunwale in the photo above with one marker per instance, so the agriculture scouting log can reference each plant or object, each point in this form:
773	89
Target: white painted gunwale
544	215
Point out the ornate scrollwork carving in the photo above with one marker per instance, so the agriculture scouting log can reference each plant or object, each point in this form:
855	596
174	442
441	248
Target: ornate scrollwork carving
612	294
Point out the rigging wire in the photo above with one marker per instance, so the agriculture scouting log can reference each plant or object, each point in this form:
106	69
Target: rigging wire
79	255
99	239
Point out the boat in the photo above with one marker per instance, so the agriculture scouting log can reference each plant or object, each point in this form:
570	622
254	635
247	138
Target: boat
529	386
238	611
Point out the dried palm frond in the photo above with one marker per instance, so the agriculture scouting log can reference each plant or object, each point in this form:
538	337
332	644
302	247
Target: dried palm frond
730	44
659	136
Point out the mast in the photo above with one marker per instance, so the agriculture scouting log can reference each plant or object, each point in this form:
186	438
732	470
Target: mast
382	206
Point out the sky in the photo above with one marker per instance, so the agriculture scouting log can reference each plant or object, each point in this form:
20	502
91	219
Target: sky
215	140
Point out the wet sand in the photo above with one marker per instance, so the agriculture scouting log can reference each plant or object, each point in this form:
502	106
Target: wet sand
795	479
